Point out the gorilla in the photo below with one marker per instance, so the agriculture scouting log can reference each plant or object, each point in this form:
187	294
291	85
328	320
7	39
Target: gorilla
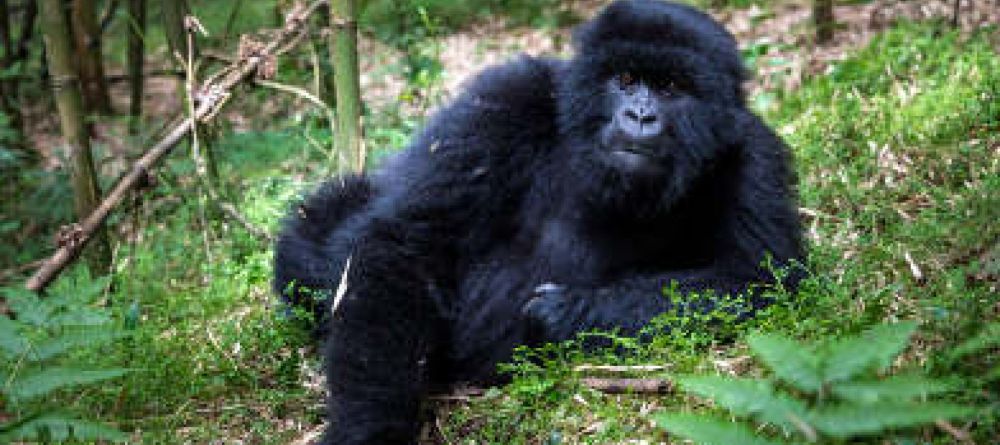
551	197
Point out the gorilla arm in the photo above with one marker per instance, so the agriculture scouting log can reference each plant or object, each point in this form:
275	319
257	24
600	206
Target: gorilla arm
760	222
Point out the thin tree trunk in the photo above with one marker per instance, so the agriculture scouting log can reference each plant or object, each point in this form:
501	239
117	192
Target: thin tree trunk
27	29
344	48
109	15
327	81
66	88
174	12
136	52
823	19
87	37
9	88
183	45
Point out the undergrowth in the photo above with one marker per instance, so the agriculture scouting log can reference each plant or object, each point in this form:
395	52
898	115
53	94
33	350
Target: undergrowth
40	350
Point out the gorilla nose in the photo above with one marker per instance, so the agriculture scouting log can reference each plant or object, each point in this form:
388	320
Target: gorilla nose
640	123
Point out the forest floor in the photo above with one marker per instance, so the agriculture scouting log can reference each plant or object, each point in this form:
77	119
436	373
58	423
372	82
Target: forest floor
895	127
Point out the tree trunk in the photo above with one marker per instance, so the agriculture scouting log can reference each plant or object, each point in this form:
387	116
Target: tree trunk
823	19
956	13
27	29
109	15
344	48
66	88
9	88
136	51
87	37
327	82
174	12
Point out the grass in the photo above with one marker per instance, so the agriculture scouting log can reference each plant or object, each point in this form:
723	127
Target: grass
897	153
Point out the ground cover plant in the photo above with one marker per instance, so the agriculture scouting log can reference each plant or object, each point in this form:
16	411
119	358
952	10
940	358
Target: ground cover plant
898	159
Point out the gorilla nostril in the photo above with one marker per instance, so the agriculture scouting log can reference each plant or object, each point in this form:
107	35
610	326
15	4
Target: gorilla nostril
631	115
647	119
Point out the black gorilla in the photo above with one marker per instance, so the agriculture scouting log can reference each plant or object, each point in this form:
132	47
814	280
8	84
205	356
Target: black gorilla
551	197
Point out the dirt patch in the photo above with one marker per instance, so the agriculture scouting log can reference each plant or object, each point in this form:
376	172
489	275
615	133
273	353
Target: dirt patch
788	25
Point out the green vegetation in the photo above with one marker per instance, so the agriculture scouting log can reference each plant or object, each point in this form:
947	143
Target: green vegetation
897	150
40	351
394	20
842	401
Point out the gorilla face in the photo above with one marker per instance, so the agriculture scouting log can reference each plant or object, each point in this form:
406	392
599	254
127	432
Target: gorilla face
652	122
646	104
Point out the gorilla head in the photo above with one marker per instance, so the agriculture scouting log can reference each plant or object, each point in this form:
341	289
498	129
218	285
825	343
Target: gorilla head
647	98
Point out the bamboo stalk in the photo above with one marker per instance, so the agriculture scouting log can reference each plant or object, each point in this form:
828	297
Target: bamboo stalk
87	38
136	55
344	52
66	89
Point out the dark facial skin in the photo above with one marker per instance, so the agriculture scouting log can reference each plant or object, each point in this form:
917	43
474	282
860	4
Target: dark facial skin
638	129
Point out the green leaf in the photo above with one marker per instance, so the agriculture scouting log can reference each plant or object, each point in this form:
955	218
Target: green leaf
898	388
80	316
862	419
58	428
747	397
790	361
73	339
43	382
12	343
874	348
29	309
710	431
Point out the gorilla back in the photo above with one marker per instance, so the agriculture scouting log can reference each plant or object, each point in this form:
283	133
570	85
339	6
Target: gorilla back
551	197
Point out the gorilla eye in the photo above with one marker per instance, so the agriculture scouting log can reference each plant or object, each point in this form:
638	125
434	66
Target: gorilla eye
667	86
626	79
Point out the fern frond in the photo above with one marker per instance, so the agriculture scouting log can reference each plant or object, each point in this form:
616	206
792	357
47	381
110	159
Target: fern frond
710	431
59	428
33	385
72	339
854	420
789	360
84	316
747	397
12	342
874	348
898	388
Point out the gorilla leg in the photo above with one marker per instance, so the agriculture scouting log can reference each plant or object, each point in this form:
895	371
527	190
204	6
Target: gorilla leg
384	332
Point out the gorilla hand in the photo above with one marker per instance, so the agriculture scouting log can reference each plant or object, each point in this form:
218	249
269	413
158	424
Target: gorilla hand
550	315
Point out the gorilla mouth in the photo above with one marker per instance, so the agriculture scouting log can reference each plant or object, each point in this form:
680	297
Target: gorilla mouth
636	149
635	158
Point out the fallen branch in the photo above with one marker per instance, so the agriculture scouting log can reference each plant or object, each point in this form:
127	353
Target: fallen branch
212	96
625	386
616	369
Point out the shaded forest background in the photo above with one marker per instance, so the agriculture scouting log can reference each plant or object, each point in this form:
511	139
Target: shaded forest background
199	123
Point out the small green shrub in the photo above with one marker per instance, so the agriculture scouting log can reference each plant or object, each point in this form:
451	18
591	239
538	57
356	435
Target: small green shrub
828	392
34	367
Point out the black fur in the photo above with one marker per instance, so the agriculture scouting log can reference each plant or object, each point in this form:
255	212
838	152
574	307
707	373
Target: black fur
504	223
